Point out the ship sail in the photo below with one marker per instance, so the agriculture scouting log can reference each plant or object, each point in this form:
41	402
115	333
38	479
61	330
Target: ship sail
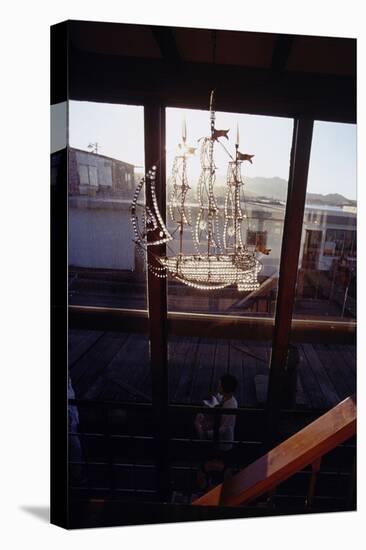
152	231
178	210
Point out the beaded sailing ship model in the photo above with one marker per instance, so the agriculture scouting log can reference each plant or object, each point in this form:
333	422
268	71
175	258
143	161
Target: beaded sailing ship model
221	257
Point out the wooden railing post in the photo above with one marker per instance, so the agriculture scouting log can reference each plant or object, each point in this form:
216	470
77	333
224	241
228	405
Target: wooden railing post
315	468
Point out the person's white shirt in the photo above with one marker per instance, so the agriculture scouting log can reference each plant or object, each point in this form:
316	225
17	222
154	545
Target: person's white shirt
227	424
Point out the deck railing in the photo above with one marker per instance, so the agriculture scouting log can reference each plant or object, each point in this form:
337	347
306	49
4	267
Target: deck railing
118	458
306	447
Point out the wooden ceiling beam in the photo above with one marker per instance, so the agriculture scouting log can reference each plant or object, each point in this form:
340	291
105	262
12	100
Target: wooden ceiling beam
281	52
165	39
115	79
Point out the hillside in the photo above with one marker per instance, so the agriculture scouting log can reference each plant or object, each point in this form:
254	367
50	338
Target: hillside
276	188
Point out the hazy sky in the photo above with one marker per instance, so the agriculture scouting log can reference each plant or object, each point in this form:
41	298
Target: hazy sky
118	129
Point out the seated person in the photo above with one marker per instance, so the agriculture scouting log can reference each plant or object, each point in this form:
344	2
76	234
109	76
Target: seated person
75	449
218	427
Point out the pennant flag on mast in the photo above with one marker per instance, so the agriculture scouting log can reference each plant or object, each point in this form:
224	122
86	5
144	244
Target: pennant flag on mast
245	156
220	133
184	131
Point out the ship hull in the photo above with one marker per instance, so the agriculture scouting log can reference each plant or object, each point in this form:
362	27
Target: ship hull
212	272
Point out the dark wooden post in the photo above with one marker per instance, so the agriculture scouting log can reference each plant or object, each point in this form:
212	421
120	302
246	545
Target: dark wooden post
296	195
59	290
59	366
157	296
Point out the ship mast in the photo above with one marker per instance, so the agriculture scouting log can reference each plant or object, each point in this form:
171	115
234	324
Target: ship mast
184	187
211	200
236	179
233	212
238	244
179	212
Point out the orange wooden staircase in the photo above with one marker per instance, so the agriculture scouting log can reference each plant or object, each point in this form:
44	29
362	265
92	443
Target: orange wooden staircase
300	450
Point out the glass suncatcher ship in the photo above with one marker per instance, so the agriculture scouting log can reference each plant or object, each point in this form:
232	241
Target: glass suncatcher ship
221	257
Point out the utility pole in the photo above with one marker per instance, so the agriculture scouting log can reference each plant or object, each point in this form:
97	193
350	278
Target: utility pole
93	147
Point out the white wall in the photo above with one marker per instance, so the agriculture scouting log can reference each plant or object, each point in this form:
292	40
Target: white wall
100	237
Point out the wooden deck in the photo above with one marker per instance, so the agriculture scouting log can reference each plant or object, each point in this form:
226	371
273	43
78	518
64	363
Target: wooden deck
115	366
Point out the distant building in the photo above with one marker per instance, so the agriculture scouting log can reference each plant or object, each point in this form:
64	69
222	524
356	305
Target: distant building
101	236
94	175
100	192
347	208
329	233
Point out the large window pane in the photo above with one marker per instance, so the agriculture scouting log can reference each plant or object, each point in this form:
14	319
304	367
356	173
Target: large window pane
202	348
326	284
106	158
324	364
264	194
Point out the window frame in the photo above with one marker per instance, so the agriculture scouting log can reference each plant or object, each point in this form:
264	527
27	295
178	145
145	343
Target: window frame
282	327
